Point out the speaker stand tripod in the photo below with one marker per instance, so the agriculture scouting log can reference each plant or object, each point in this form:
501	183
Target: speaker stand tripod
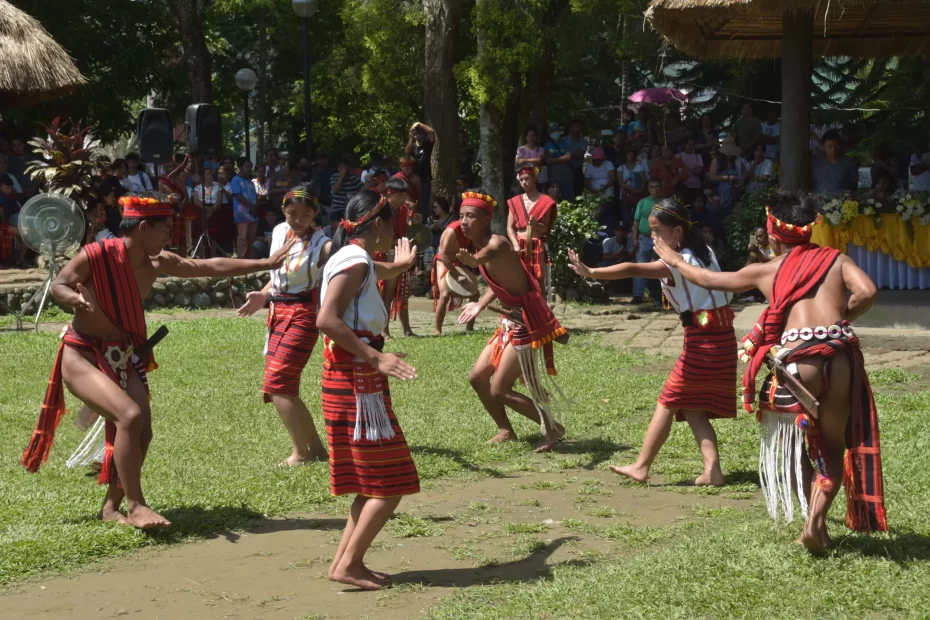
43	290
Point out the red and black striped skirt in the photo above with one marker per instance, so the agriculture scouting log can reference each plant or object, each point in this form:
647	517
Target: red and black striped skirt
704	377
292	334
371	468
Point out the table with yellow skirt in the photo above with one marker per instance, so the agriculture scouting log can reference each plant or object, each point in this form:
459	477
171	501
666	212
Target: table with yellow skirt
892	256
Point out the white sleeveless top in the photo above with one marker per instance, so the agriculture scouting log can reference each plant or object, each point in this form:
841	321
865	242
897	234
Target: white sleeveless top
684	295
366	313
301	270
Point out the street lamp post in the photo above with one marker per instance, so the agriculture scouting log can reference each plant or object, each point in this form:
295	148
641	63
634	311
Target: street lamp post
305	9
246	80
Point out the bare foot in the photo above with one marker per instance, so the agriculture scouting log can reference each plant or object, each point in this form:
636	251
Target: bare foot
358	576
108	513
387	337
145	518
713	479
503	436
633	472
295	460
815	539
545	444
409	334
330	574
437	332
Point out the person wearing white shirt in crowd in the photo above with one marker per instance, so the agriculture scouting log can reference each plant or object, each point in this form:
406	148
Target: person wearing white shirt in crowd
599	175
758	171
137	180
4	169
771	136
920	168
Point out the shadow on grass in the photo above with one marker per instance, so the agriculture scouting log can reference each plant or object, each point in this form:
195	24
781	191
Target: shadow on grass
459	459
229	521
901	549
531	568
600	449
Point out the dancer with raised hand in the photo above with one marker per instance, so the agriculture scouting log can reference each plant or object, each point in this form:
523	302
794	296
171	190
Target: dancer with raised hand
105	354
522	345
819	389
700	386
368	454
294	291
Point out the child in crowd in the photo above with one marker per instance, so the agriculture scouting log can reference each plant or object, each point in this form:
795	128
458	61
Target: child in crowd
617	249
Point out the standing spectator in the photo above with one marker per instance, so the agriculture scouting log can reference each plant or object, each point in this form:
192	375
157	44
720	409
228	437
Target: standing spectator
466	154
119	170
213	163
600	175
305	171
920	168
271	218
530	152
727	171
642	244
625	119
137	180
10	207
631	176
654	155
261	191
694	163
577	146
558	161
223	225
639	128
708	137
440	219
833	173
771	131
461	186
705	214
344	184
672	131
881	165
18	158
374	164
616	151
759	172
669	171
281	182
420	145
748	130
272	163
321	175
245	209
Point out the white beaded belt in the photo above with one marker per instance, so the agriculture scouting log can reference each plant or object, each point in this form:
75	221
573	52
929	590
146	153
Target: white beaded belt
820	333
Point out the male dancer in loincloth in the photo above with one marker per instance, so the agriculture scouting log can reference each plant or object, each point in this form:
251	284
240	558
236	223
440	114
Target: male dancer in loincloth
809	316
396	292
105	284
514	351
530	218
451	242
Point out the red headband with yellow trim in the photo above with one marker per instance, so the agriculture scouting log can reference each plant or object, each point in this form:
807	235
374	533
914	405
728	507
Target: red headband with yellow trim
482	201
136	206
789	234
351	226
300	194
528	169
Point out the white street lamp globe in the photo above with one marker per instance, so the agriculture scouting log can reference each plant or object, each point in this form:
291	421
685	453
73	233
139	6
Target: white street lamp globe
305	8
246	79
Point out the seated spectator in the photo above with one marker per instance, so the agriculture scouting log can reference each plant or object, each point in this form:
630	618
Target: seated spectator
708	235
599	175
880	165
711	197
669	171
343	185
617	249
108	212
920	168
759	172
262	244
11	208
833	173
882	185
440	219
137	180
759	249
703	213
5	170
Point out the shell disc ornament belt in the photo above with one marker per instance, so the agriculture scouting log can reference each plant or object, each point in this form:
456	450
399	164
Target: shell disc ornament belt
820	332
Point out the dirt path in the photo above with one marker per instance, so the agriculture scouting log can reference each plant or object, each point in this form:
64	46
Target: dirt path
495	529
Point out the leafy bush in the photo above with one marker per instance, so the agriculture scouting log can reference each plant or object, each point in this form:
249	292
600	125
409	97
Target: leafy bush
573	228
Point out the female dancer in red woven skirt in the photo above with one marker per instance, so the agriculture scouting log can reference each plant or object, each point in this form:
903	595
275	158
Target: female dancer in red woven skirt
368	455
700	387
294	293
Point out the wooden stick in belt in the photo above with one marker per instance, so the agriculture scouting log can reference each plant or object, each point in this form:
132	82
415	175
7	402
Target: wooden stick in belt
511	314
807	400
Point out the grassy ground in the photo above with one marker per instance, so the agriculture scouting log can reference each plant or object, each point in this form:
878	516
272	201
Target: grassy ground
212	469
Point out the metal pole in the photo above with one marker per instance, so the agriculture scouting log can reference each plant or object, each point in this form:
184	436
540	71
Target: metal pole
307	88
248	148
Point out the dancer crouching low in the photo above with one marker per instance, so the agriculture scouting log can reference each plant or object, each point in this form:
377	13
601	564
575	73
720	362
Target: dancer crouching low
529	325
368	454
292	333
700	386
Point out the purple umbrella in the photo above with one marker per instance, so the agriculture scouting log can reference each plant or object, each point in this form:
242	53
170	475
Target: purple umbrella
658	95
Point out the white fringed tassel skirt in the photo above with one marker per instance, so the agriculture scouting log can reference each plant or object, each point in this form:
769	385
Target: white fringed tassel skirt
780	451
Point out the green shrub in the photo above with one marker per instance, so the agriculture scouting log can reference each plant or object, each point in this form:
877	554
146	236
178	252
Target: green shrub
573	228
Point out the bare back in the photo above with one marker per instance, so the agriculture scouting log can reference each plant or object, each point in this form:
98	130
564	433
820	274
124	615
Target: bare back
506	268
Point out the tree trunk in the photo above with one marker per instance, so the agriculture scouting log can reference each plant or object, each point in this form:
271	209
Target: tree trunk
189	16
261	96
538	94
510	133
440	101
492	174
625	68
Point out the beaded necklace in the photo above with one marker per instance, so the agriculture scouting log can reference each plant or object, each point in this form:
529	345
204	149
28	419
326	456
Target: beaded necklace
296	264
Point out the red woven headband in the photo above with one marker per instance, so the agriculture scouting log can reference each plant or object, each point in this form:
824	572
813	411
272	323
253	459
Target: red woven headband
145	206
529	169
482	201
299	194
789	234
350	226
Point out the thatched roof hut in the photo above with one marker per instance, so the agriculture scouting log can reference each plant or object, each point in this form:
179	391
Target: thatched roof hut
753	28
796	31
33	67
